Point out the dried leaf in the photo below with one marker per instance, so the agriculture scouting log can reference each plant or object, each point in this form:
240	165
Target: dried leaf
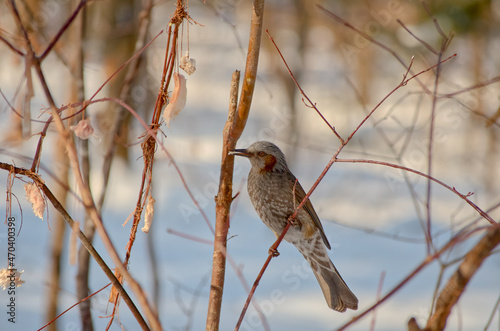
177	100
148	217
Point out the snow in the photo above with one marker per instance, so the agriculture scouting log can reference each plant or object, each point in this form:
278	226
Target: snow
371	197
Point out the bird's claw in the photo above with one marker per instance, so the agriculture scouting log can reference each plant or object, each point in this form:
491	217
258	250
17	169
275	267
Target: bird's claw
274	252
294	222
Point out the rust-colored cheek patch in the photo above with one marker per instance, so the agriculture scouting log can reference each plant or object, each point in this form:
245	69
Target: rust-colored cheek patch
269	163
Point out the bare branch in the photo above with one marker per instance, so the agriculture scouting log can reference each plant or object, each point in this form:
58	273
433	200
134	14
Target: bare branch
311	104
452	189
250	68
63	29
456	285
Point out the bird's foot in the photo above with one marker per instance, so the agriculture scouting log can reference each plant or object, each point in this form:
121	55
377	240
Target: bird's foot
274	252
294	221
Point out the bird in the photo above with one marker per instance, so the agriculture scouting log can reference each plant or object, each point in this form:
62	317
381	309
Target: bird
275	193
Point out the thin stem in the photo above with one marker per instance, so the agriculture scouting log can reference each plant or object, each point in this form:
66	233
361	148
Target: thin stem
450	188
311	104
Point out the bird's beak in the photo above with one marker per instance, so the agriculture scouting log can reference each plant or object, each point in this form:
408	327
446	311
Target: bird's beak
240	152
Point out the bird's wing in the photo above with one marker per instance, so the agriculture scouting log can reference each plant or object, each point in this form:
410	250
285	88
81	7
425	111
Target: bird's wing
308	207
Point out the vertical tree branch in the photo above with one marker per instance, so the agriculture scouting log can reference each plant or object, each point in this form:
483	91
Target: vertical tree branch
233	129
250	69
57	237
223	203
82	274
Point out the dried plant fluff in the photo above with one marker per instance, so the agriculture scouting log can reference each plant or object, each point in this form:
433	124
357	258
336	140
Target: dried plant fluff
34	196
83	129
5	279
188	64
148	218
177	100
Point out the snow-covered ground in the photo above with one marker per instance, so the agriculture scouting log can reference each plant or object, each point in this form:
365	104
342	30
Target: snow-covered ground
351	196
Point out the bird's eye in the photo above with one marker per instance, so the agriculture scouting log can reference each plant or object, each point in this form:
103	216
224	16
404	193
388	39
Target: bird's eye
261	153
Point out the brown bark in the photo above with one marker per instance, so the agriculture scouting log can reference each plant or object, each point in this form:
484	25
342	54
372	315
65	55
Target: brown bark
456	285
232	131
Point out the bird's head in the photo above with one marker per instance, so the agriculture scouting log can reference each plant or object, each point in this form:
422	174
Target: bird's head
265	156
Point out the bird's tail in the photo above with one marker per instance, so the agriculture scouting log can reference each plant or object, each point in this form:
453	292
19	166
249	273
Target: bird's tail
337	294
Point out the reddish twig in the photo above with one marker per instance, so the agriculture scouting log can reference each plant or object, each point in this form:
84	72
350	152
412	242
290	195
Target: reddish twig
311	104
190	237
426	45
403	82
472	87
372	40
63	29
378	295
74	305
444	44
9	45
450	188
272	253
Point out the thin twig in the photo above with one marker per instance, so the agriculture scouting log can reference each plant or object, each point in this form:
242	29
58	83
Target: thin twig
272	253
372	40
471	88
378	295
63	29
311	104
426	45
430	145
76	304
493	312
9	45
450	188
